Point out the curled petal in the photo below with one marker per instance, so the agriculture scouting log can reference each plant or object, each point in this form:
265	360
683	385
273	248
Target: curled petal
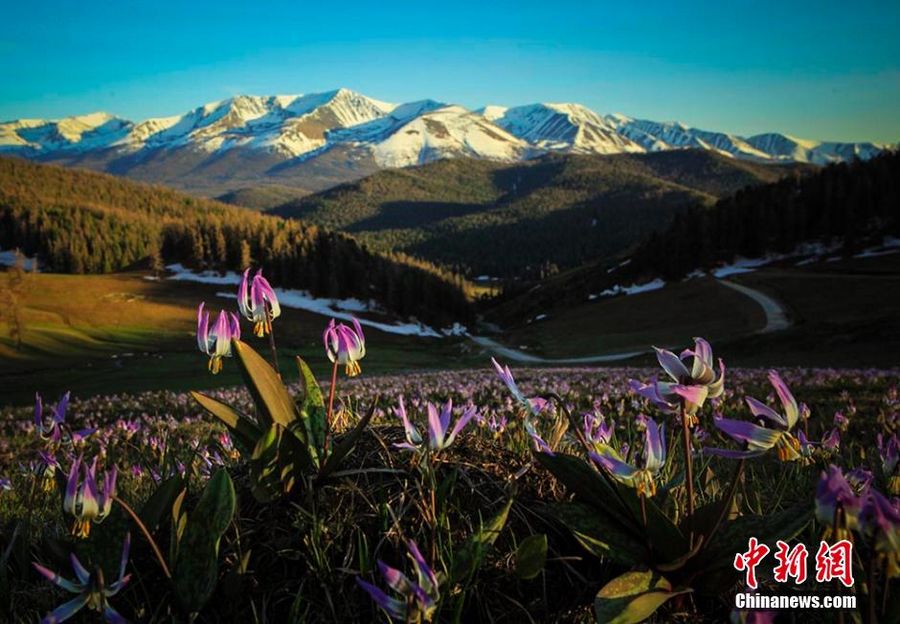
203	329
761	410
57	580
67	609
672	365
427	577
395	608
787	399
754	435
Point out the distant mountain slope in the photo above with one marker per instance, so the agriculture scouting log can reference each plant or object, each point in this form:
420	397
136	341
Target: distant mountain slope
319	140
843	207
84	222
529	218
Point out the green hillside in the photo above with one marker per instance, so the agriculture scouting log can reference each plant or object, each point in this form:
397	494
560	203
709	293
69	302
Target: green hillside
77	221
527	218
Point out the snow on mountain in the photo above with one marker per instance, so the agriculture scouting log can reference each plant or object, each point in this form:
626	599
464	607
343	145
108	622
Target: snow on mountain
788	148
564	127
347	127
446	132
655	136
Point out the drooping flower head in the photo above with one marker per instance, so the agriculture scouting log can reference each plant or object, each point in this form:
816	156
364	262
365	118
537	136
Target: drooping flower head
344	345
440	436
419	597
90	587
690	386
50	429
215	341
84	500
258	303
643	479
773	430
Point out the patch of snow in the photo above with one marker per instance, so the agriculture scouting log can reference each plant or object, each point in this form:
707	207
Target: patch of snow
889	246
742	265
9	258
302	300
634	289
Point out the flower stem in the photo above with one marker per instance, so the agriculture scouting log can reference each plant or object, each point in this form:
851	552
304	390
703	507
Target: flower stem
271	329
328	419
149	538
689	472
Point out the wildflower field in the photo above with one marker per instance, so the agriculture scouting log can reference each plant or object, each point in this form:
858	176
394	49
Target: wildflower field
577	494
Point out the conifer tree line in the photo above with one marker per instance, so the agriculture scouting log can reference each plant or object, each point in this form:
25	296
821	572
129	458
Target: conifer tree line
77	221
853	203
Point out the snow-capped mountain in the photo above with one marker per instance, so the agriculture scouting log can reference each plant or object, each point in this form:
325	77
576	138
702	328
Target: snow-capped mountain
563	127
318	140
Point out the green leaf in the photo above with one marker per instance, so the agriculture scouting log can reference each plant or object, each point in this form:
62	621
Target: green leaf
244	431
311	393
632	597
587	484
313	415
600	534
160	502
348	441
732	538
619	503
273	403
197	564
531	556
468	558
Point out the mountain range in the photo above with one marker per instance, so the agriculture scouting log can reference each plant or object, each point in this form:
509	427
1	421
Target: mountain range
313	142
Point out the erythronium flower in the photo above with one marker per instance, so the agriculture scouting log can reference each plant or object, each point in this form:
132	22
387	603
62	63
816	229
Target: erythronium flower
5	484
47	466
760	439
344	345
438	425
533	407
642	479
92	591
419	598
84	500
597	431
215	341
50	430
258	302
690	387
834	491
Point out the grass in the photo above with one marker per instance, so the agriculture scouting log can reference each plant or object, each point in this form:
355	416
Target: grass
628	323
92	333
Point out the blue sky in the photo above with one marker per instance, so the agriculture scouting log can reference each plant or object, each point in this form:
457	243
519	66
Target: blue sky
826	70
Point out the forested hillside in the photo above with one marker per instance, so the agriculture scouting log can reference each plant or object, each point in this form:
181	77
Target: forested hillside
81	222
846	206
847	202
530	218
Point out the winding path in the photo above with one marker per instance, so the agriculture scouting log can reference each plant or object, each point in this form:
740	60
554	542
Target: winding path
776	316
776	320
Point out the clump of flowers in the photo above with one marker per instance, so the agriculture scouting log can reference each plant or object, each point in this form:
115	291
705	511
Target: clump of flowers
643	478
440	435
